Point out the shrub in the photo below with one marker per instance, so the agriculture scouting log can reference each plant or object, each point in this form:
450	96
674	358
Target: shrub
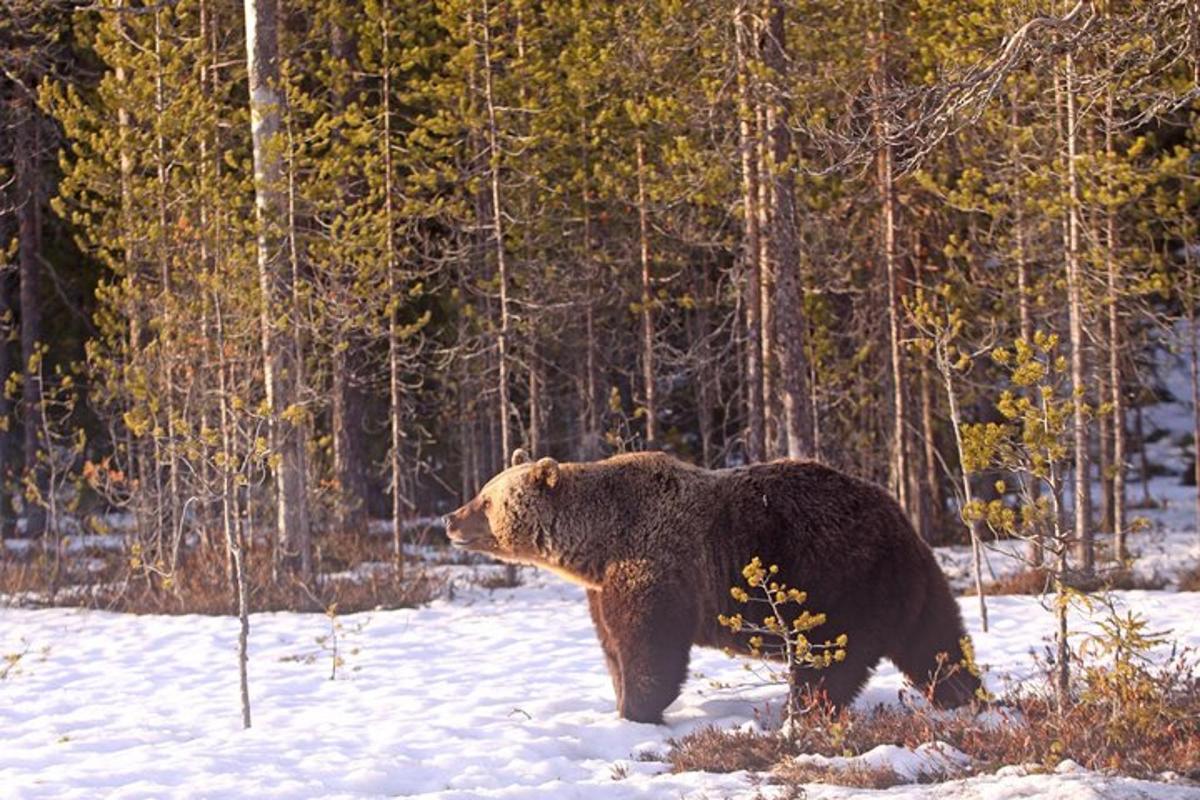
780	636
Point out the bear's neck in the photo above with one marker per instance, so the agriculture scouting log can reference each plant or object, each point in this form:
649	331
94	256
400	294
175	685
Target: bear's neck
608	520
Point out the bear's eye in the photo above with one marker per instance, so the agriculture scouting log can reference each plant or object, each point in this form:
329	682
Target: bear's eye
486	504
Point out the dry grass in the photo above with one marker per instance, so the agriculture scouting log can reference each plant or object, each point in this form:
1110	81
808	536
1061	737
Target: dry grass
1190	580
859	776
711	749
356	575
1038	580
1142	729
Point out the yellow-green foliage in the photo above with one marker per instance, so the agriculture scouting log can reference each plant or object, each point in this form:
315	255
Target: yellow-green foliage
1120	676
780	633
1034	437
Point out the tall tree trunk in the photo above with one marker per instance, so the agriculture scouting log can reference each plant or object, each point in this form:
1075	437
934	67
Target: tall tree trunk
536	444
591	410
648	378
494	158
1115	378
395	397
747	134
166	310
493	132
29	249
1085	552
773	446
887	192
1036	551
136	461
785	243
275	284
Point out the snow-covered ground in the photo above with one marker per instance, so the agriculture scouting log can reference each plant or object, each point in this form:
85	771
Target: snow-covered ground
496	695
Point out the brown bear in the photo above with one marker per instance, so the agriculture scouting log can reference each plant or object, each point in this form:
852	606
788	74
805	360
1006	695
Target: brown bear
658	544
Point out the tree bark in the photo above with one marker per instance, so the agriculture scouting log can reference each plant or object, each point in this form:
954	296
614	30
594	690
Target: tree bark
648	378
591	412
755	444
494	159
1085	552
887	192
275	285
395	396
773	446
1115	377
785	244
29	249
1036	551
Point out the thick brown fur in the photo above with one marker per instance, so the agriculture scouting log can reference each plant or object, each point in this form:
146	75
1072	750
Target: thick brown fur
659	543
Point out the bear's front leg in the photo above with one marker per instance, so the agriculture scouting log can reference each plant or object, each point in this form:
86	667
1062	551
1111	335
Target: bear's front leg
606	644
651	623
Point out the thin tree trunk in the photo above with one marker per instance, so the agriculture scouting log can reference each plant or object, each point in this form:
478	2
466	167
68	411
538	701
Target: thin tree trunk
968	492
494	158
1104	455
506	443
648	377
275	283
166	330
1083	530
933	484
136	465
751	251
591	415
535	401
395	411
772	429
1115	378
1025	317
900	477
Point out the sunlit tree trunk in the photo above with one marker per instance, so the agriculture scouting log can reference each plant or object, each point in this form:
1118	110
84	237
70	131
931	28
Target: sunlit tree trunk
395	396
1115	376
648	375
752	285
1079	429
494	163
276	287
887	192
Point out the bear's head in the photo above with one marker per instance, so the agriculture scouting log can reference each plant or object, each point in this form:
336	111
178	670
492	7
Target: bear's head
513	515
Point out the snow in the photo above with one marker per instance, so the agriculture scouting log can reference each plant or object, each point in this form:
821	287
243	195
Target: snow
499	695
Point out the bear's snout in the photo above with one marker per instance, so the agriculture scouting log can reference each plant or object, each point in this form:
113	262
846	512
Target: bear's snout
468	528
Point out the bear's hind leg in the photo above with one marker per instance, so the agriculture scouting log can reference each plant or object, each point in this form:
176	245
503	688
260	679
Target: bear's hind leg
606	644
651	631
930	654
842	682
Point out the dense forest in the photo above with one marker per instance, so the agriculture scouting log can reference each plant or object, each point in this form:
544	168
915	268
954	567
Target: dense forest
282	268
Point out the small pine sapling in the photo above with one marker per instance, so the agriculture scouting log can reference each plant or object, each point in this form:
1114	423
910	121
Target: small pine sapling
1033	441
780	635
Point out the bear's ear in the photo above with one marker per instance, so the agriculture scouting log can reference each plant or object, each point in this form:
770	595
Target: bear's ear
545	472
519	456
